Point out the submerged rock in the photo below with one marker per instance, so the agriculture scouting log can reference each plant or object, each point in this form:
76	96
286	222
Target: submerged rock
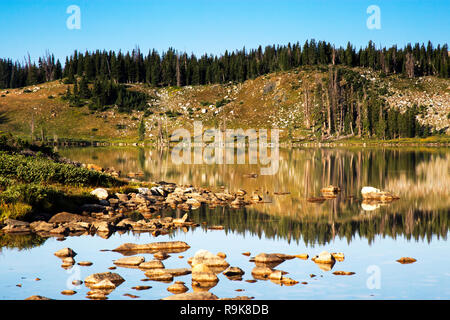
192	296
343	273
155	246
37	297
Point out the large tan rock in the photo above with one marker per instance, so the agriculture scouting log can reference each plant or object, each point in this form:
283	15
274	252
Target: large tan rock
170	246
97	277
104	284
129	261
152	264
209	259
177	287
64	253
324	257
158	275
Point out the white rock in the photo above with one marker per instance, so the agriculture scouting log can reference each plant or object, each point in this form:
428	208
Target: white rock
100	193
366	190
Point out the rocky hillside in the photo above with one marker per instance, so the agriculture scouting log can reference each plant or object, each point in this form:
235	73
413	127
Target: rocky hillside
294	101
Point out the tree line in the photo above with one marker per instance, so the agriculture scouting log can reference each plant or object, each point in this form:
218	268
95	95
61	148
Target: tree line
174	68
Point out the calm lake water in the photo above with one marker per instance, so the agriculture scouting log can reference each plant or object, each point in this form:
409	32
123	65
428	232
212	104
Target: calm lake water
371	236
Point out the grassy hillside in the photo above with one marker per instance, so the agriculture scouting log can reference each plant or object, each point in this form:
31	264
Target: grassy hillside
274	100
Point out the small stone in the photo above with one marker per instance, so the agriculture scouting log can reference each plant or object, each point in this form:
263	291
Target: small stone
131	295
85	263
406	260
343	273
68	292
246	253
141	287
161	255
77	282
37	279
222	255
303	256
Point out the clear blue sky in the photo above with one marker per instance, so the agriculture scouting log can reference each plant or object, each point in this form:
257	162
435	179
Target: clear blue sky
212	26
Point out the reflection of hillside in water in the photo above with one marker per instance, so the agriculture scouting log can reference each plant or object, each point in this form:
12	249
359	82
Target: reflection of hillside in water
419	177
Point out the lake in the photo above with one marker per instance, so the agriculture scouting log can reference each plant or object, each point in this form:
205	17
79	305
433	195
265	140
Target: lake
371	235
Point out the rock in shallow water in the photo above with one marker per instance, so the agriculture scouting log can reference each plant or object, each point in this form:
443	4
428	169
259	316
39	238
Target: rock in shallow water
66	252
130	261
97	277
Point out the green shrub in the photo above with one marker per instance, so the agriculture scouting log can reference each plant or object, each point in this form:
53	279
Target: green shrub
42	170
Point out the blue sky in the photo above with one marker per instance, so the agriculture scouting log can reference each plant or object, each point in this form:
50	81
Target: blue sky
212	26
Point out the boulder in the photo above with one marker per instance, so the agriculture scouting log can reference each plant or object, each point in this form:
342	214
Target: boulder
193	296
202	273
233	271
130	261
104	284
97	277
177	287
18	226
66	217
60	230
152	264
41	226
158	275
261	272
276	275
102	226
100	193
339	256
209	259
324	258
64	253
161	255
370	193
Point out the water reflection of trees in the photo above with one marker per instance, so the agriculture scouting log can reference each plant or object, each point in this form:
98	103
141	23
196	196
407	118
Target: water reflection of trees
417	225
20	241
419	176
